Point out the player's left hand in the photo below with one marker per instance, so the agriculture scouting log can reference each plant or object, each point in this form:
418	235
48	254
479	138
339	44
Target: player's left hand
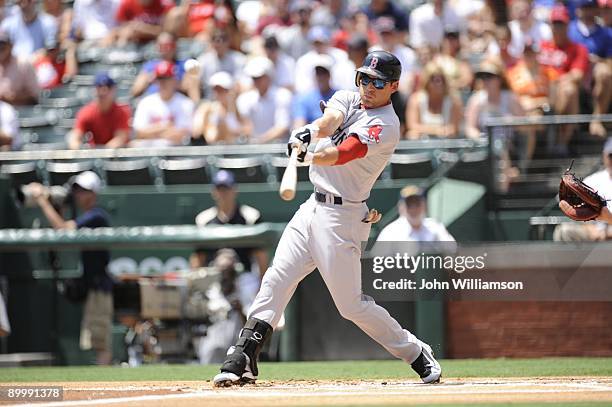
301	138
373	216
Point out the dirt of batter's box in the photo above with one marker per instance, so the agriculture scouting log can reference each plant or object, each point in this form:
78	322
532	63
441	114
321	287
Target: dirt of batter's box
342	392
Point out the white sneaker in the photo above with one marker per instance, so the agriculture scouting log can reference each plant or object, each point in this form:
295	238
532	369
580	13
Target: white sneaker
426	366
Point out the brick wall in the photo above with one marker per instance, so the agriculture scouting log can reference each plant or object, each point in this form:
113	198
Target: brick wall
528	329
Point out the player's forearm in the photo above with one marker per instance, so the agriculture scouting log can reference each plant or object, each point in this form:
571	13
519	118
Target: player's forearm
328	123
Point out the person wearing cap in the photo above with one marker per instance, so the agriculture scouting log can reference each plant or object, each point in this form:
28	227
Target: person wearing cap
284	65
524	27
427	23
228	211
18	82
436	109
599	230
29	30
598	39
566	63
294	39
265	110
163	118
219	57
103	120
96	324
140	21
216	121
341	72
413	225
145	83
306	106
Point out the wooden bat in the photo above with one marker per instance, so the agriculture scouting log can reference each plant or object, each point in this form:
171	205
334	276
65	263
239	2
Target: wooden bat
289	181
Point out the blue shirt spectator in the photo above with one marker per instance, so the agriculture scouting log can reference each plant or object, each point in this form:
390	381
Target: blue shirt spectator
387	8
29	30
586	31
306	105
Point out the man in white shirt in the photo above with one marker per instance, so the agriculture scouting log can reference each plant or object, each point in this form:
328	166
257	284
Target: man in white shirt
601	181
525	28
163	118
94	20
284	65
266	109
412	225
28	29
427	23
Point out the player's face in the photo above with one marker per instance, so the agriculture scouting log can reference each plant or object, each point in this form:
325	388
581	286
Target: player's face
375	92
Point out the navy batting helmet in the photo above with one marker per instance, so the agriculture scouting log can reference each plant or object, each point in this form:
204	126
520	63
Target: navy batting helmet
382	65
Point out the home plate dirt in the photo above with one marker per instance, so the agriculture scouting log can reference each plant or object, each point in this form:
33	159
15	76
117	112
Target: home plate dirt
339	392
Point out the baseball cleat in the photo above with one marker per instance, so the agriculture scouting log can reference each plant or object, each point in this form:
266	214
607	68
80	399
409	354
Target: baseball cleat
426	366
226	379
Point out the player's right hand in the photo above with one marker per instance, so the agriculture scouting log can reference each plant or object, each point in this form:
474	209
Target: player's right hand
301	138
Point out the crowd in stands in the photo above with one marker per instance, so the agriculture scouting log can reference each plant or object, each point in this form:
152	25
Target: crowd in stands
265	65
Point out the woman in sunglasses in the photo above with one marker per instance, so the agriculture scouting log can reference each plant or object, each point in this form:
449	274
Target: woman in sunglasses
435	110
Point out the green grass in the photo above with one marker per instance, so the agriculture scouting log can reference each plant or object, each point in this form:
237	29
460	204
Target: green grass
387	369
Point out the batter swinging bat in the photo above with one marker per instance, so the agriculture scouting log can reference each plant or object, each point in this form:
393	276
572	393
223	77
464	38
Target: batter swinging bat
289	181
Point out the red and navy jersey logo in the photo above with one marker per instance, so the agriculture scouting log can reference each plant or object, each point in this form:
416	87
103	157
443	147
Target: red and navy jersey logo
374	133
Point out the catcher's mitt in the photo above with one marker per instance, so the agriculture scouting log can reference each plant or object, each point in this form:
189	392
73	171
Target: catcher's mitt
577	200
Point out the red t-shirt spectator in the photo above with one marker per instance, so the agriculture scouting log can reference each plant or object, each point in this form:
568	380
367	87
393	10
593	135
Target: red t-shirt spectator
102	125
559	61
199	14
152	13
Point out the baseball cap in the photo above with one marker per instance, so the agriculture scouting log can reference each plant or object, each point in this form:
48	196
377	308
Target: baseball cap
384	24
319	34
103	79
559	13
323	61
607	149
88	180
300	5
412	191
222	79
224	178
489	67
165	69
258	67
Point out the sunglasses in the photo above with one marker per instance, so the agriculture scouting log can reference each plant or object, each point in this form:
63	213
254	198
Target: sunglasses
378	83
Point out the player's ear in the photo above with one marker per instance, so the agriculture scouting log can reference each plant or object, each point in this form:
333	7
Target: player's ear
394	86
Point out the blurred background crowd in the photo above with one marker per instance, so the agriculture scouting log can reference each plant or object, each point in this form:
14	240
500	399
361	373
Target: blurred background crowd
124	72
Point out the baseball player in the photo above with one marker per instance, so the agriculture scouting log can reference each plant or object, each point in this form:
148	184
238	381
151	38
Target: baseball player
357	134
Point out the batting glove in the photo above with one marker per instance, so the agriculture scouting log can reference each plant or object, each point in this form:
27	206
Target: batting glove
301	138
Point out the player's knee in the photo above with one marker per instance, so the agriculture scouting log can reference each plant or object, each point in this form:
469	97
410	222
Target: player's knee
352	310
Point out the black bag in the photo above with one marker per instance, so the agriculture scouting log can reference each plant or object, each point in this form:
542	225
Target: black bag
75	289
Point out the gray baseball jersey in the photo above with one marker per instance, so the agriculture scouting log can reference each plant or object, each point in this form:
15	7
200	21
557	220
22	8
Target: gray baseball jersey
378	128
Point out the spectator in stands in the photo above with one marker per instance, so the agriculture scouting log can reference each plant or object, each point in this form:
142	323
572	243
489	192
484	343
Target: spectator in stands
228	211
391	40
413	225
427	23
219	58
96	325
304	69
28	29
528	80
62	16
55	66
294	40
104	120
601	181
163	118
357	50
146	83
274	14
216	121
7	9
18	83
525	28
457	70
566	63
284	65
329	13
141	21
9	128
266	109
386	8
306	105
435	110
598	40
94	20
355	23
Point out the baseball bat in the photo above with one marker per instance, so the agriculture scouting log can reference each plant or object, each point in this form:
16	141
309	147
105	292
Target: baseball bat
289	181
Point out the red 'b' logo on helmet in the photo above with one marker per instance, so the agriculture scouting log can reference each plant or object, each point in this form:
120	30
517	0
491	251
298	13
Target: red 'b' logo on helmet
374	62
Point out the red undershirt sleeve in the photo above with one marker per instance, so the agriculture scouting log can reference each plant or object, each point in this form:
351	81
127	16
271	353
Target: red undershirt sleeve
350	149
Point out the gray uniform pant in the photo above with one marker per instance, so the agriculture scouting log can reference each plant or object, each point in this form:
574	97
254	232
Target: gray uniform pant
328	237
